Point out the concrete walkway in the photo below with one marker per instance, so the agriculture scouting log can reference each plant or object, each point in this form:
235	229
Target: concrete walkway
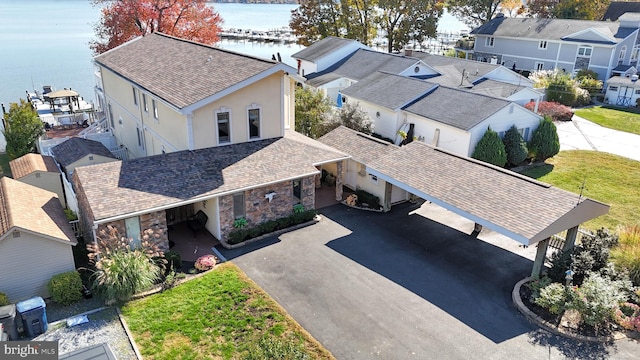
582	134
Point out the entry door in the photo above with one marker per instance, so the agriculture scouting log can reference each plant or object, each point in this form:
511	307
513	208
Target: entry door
133	231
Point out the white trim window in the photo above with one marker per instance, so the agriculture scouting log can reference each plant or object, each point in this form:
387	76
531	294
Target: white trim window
634	54
145	104
489	41
585	50
539	65
239	210
297	191
254	123
613	88
622	54
140	136
542	45
154	104
223	125
135	96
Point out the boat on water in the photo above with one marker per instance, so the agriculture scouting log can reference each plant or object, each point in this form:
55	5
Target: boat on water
61	108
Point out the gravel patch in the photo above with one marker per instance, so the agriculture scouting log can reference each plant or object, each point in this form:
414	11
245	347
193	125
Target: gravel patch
103	327
57	312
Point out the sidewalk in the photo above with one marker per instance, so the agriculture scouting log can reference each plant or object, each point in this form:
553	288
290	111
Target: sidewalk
581	134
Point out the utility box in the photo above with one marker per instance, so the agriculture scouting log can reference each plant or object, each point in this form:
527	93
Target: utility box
8	321
34	316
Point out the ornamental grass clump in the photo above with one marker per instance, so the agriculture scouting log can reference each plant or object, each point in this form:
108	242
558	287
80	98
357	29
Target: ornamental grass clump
124	267
626	255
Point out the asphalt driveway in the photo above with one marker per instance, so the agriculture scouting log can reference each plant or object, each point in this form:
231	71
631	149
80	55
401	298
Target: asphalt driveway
403	286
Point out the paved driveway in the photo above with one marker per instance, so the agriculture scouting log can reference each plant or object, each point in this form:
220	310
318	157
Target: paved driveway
402	286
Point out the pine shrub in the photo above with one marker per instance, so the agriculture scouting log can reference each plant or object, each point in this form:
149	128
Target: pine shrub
4	299
490	149
515	146
66	288
545	142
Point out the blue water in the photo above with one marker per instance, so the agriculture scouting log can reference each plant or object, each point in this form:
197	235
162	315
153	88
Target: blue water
45	42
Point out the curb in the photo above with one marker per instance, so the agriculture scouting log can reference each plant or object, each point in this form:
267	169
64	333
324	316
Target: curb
532	317
129	335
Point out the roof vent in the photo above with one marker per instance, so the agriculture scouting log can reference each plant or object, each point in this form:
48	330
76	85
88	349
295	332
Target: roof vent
634	77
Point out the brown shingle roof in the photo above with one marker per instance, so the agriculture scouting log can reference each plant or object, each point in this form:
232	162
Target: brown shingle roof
32	209
31	163
362	148
522	208
180	71
120	188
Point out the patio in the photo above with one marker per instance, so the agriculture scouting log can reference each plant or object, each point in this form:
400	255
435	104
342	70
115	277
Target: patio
190	247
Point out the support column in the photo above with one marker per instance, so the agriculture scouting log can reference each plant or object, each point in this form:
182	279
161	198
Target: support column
541	253
387	196
339	175
570	239
318	178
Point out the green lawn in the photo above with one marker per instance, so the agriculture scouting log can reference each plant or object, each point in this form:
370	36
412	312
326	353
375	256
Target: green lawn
4	165
611	179
222	315
623	119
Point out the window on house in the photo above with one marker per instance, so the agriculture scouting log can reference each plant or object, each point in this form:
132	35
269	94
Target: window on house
489	41
113	125
135	96
613	88
524	133
144	103
224	131
254	123
140	137
373	179
132	225
637	91
238	206
539	65
585	50
623	53
297	193
542	44
501	134
155	109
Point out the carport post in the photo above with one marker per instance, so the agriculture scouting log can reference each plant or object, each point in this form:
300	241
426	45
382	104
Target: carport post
387	196
570	239
541	253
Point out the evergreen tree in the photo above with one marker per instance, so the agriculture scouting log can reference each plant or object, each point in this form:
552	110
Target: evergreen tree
312	109
23	128
515	146
545	143
490	149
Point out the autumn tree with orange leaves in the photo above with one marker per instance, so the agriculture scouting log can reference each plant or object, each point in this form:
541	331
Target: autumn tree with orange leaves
124	20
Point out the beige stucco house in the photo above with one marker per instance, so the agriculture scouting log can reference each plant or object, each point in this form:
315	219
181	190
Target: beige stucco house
35	240
40	171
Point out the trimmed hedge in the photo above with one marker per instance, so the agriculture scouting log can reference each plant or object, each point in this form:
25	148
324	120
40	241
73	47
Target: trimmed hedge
239	235
66	288
365	197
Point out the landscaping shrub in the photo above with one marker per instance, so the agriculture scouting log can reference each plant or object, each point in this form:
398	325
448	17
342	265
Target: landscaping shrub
368	198
66	288
515	146
545	142
536	285
71	216
205	262
173	260
560	263
627	315
592	86
554	110
562	89
553	298
4	299
239	235
626	254
490	149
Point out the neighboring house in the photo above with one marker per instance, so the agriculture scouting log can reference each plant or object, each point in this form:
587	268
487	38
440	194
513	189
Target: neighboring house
544	44
256	180
622	91
446	117
325	53
363	150
76	152
40	171
163	94
35	240
619	8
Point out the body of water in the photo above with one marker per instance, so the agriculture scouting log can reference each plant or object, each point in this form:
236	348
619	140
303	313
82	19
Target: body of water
45	42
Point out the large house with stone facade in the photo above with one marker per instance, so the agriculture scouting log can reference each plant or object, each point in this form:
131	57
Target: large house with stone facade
215	136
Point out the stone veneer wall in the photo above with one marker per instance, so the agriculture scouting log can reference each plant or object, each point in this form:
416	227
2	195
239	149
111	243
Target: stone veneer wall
155	220
259	210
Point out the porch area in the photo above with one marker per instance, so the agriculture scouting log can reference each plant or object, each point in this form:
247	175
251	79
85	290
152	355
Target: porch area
190	247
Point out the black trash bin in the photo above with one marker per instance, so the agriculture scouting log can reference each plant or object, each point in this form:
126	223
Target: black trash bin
8	320
34	316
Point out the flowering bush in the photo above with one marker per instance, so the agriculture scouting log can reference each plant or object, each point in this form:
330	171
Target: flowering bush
205	262
598	297
631	321
556	111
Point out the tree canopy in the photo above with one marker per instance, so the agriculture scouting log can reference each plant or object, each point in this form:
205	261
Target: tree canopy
23	128
400	20
567	9
123	20
474	12
312	109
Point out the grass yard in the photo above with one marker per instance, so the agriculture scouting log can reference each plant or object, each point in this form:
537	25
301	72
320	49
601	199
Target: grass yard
222	315
611	179
622	119
4	165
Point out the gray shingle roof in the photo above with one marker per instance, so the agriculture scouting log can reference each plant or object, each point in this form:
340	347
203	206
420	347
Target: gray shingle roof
618	8
457	108
549	29
495	88
76	148
179	71
321	48
474	70
120	188
523	206
361	64
388	90
362	148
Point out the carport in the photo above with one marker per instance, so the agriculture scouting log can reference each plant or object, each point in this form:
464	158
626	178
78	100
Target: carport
524	209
